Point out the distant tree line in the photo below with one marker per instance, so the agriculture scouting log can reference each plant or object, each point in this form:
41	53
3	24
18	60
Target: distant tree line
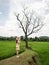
7	38
41	38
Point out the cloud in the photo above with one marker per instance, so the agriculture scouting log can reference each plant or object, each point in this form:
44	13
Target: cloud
0	13
0	2
11	28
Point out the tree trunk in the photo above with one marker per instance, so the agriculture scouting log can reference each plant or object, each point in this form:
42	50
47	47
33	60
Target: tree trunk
26	41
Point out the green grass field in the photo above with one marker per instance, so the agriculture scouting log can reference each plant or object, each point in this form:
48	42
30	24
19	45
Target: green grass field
7	49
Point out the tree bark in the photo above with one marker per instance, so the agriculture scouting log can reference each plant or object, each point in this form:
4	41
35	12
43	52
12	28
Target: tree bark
26	41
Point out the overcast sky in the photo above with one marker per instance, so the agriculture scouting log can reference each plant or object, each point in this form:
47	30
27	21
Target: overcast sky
8	25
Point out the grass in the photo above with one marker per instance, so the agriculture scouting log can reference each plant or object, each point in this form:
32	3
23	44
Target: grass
7	49
42	48
25	58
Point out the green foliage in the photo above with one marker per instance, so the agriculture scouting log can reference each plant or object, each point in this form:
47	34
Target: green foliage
41	38
7	38
7	49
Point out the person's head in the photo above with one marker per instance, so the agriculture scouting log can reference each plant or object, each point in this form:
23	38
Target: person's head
17	39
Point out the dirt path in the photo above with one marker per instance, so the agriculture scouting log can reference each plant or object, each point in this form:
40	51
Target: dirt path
23	59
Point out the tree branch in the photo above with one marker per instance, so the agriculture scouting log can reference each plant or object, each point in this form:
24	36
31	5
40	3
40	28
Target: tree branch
27	20
20	22
35	27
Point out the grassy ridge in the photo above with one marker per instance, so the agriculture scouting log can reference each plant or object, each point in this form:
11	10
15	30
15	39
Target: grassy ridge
7	48
42	48
25	58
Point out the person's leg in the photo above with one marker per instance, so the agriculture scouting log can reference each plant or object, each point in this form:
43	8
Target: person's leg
17	53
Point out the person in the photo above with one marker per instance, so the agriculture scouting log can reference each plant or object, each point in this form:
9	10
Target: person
17	45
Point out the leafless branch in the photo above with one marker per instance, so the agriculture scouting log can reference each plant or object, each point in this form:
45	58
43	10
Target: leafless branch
35	28
29	20
17	16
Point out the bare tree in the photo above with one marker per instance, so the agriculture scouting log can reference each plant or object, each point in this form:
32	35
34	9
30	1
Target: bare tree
29	23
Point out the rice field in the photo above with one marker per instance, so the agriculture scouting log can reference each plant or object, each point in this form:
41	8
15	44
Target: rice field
7	49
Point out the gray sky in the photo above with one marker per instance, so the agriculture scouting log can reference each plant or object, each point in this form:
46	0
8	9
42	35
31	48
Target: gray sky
8	25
